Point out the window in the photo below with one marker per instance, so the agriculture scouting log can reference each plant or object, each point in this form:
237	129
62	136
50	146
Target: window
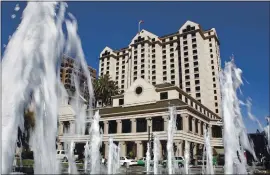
215	91
195	57
193	40
210	45
198	95
186	59
164	78
197	88
213	73
187	89
153	61
154	66
164	67
164	56
185	37
194	46
193	34
216	104
196	63
216	110
211	50
194	51
142	71
214	85
172	65
212	61
135	67
163	95
164	62
209	39
214	79
213	67
185	53
153	72
172	82
211	55
142	76
197	81
164	73
215	97
171	49
187	77
153	56
187	71
188	83
186	48
121	101
185	42
154	78
196	76
186	65
173	77
164	51
172	54
172	71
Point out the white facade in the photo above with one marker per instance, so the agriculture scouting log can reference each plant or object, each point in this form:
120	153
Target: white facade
143	108
188	58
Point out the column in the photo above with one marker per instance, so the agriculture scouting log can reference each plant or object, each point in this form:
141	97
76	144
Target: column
204	127
185	122
179	148
139	149
59	146
193	125
199	128
119	126
61	128
123	149
133	125
165	118
106	149
195	153
72	127
187	146
149	123
210	131
106	127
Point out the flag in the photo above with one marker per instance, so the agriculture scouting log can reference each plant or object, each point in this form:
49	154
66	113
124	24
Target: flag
141	21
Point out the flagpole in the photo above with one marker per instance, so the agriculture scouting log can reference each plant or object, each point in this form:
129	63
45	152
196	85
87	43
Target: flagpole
139	26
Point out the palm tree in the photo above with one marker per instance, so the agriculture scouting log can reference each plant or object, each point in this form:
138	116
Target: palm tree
104	89
29	124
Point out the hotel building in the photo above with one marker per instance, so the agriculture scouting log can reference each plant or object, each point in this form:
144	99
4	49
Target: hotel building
153	73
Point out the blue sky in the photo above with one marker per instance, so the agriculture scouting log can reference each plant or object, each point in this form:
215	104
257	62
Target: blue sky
242	27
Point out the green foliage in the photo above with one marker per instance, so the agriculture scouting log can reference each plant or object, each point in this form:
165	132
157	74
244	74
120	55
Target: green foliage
104	89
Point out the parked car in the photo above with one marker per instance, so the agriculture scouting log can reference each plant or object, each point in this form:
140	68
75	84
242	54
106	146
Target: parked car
124	161
178	160
142	162
61	155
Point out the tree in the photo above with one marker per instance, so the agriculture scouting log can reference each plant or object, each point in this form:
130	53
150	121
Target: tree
29	124
104	89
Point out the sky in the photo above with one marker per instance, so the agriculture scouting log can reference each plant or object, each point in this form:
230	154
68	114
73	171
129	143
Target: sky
242	28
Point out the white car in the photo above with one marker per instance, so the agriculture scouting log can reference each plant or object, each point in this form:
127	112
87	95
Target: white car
124	161
61	155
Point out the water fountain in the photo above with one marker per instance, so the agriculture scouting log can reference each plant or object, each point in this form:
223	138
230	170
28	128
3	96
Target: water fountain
187	157
86	156
113	158
69	148
207	151
156	154
148	159
235	135
32	56
171	131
